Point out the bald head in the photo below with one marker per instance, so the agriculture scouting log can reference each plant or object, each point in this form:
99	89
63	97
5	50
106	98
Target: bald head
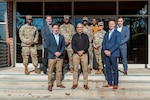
79	27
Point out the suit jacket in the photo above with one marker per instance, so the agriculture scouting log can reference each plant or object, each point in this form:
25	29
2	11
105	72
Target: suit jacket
53	47
125	35
44	32
113	43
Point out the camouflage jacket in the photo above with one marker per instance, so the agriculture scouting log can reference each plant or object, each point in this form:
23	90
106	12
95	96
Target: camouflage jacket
28	34
88	30
98	38
67	31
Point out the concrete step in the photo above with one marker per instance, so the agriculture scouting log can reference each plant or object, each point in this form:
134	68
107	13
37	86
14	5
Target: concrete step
69	77
14	85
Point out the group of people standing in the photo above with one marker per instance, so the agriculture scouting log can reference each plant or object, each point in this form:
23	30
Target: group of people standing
79	45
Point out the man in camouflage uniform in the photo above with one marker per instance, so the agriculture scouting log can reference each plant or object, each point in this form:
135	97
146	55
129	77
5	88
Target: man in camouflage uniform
95	29
97	45
67	30
88	30
29	37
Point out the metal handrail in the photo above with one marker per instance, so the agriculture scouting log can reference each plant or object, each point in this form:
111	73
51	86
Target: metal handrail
5	54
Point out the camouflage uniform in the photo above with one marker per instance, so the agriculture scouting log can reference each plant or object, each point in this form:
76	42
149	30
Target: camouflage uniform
27	34
88	30
67	30
97	41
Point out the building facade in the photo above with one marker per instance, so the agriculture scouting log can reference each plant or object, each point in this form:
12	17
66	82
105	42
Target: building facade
135	13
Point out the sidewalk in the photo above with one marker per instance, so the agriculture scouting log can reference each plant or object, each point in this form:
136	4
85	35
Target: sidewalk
14	85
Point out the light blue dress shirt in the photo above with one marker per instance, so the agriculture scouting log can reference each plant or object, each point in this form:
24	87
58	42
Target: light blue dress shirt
56	38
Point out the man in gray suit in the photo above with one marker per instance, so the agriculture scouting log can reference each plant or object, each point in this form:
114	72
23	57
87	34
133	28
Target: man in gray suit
46	29
125	35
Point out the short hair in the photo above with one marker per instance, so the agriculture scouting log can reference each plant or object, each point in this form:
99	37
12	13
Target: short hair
55	24
79	24
120	18
48	16
111	20
94	18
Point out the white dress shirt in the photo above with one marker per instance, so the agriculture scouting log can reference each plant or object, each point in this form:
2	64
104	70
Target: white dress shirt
110	33
119	28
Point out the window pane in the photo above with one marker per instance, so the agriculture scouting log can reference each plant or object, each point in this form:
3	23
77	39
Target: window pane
95	8
58	8
33	8
3	32
137	45
58	20
37	22
2	11
133	7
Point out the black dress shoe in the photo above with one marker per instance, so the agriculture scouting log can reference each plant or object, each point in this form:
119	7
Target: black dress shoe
50	88
45	73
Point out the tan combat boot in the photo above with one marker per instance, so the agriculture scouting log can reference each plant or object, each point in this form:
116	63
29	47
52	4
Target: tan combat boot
71	70
26	71
37	70
99	71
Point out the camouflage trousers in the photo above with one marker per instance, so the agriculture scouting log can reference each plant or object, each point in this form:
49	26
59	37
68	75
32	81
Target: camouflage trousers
90	57
70	57
30	51
99	59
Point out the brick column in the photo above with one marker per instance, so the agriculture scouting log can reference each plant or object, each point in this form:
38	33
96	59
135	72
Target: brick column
9	29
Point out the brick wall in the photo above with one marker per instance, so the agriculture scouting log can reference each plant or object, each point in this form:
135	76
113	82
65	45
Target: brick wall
9	29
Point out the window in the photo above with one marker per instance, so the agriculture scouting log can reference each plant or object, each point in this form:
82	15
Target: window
32	8
2	21
58	8
103	10
133	7
2	11
138	39
95	8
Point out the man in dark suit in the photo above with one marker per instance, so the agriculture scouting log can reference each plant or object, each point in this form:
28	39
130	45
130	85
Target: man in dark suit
46	29
110	47
56	45
125	35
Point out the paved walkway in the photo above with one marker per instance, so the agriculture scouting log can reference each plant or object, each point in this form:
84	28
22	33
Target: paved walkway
14	85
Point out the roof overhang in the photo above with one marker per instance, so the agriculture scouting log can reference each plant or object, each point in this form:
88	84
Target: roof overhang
66	0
